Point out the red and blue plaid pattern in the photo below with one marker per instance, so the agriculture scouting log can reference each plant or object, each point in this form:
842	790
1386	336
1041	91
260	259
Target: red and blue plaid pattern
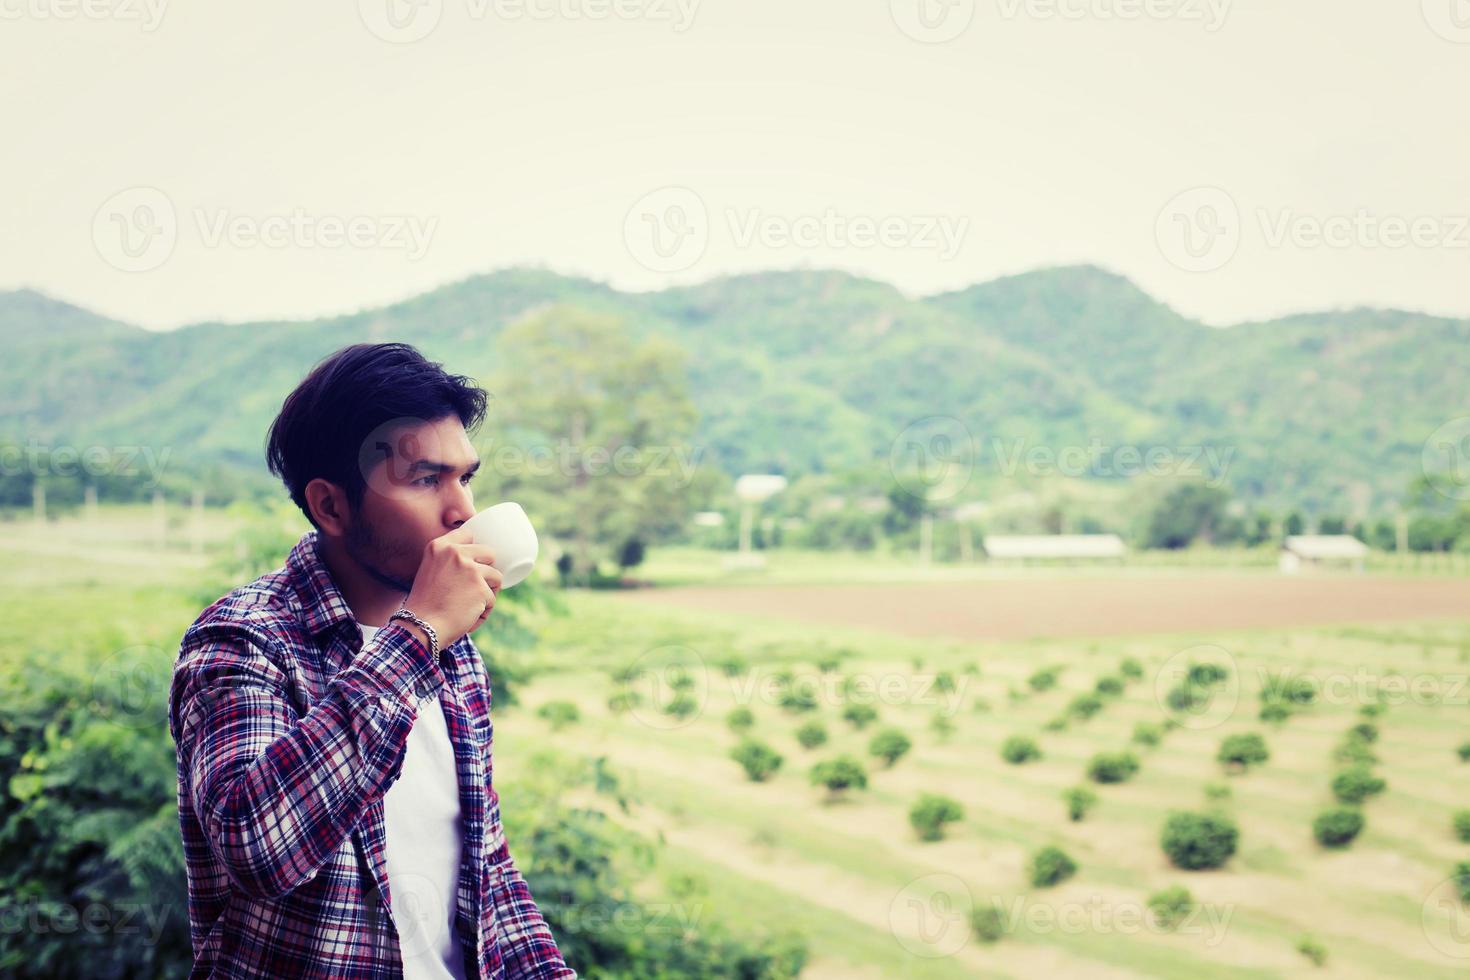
286	745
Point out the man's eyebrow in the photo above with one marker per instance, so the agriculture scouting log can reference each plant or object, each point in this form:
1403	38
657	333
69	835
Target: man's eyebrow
425	464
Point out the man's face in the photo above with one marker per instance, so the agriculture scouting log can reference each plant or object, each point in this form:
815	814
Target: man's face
418	489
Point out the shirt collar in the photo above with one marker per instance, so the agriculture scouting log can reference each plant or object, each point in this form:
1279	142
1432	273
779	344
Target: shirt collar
322	605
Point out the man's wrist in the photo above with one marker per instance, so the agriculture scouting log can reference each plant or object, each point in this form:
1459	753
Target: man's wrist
420	627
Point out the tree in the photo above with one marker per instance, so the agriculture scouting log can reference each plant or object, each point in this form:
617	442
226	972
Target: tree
1195	841
758	759
890	745
1112	767
811	735
1019	749
859	715
1356	783
1051	866
1079	800
593	431
740	719
1243	750
1170	906
1337	826
932	812
839	774
1189	511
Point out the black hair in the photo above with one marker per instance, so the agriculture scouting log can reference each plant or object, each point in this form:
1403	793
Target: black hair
324	422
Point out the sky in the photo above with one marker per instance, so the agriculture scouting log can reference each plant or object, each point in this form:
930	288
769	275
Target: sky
177	162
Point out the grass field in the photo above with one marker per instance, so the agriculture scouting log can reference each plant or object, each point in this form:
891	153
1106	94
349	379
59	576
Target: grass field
850	874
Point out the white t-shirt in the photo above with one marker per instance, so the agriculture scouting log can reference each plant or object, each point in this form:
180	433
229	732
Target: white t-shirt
425	836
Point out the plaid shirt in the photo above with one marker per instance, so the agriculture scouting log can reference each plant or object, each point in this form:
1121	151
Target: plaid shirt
287	742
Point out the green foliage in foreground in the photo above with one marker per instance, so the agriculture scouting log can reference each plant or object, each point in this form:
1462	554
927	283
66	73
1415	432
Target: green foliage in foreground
1197	841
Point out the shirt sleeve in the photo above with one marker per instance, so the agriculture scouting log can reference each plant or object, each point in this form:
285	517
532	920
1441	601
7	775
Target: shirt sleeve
278	791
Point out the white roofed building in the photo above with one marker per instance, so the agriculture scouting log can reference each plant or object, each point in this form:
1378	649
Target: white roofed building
1310	551
1054	547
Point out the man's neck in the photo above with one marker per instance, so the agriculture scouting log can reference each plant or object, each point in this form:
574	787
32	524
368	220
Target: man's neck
370	600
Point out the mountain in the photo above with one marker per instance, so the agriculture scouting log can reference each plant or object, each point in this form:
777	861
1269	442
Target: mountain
813	370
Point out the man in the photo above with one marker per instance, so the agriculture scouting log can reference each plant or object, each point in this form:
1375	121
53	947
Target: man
332	718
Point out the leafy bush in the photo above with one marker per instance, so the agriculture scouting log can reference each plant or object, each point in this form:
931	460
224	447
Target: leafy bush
942	726
1461	878
841	773
1354	751
1218	792
1461	822
1337	826
1131	668
1147	733
1171	906
623	700
681	706
1372	710
1275	711
1356	784
860	715
559	714
1196	841
1044	679
1243	750
1109	686
944	682
932	812
1084	706
1019	749
798	699
1365	730
1051	866
1314	951
757	758
890	745
988	923
1464	751
1058	723
811	735
1112	767
1207	674
1079	800
740	719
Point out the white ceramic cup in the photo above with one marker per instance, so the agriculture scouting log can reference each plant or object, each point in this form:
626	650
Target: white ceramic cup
508	531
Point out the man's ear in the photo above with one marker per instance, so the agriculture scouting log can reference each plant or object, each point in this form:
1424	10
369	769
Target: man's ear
328	504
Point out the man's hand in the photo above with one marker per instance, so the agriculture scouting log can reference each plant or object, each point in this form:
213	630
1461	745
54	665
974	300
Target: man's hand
456	585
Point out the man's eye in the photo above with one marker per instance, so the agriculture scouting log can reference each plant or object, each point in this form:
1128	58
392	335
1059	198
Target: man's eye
467	478
425	480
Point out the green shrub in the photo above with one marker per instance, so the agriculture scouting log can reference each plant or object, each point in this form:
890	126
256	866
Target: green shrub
944	682
1464	751
1079	800
1044	679
1218	792
1051	866
1207	674
1365	730
757	758
797	699
1171	906
1109	686
1196	841
1371	711
559	714
740	719
1354	751
1131	668
1112	767
1057	724
890	745
1461	822
942	725
1357	784
1147	733
1243	750
811	735
859	715
681	706
1314	951
623	700
1275	711
1337	826
841	773
1461	878
1020	749
988	923
932	812
1084	706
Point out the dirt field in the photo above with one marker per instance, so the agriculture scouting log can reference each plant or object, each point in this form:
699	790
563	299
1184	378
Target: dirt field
1021	609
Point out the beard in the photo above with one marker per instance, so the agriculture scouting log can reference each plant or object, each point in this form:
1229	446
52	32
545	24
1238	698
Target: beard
375	555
